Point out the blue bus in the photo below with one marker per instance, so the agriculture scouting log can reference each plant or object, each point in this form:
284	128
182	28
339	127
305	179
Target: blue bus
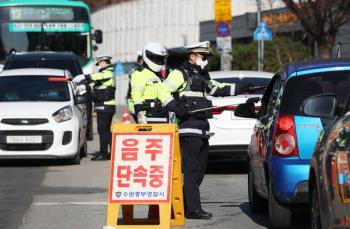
57	26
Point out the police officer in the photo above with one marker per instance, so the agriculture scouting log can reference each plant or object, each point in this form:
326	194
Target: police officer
103	85
185	90
137	66
144	85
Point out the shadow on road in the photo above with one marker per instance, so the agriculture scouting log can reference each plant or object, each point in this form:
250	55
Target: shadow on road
32	162
300	220
227	166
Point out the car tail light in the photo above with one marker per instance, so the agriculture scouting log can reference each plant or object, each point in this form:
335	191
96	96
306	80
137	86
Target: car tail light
56	79
219	110
285	138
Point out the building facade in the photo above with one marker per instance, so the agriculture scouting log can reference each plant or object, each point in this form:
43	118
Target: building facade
128	26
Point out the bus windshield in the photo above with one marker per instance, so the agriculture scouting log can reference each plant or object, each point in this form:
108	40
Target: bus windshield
45	30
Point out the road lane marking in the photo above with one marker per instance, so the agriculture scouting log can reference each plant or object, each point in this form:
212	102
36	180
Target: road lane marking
116	120
71	203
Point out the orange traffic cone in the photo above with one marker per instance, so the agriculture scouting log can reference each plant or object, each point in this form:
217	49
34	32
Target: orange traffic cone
126	117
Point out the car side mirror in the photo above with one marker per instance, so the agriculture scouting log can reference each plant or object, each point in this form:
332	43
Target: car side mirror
98	36
80	99
323	106
245	110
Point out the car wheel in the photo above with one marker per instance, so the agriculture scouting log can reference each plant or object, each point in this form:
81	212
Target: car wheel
315	208
279	213
257	204
76	159
83	149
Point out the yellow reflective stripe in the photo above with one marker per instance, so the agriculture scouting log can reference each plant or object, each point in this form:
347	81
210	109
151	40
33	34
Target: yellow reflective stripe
168	100
212	91
111	102
233	89
164	90
138	79
202	51
138	87
170	84
191	131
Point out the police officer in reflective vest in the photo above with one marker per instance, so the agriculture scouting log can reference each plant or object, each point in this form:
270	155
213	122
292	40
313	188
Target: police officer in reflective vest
145	82
185	90
103	85
136	67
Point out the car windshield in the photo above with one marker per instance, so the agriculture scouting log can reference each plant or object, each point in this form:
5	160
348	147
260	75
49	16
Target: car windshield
38	39
71	66
256	81
33	88
299	88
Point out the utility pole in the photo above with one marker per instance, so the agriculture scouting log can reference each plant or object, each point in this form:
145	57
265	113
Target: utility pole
260	53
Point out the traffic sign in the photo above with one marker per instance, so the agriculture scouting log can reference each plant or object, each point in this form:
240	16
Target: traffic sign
224	44
145	170
262	33
119	70
222	10
223	29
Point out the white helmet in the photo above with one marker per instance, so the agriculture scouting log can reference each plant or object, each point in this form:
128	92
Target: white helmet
154	55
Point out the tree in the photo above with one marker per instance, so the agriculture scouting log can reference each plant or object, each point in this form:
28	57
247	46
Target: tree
277	52
321	20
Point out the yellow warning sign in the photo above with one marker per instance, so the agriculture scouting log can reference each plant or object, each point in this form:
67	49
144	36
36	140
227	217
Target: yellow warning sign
222	10
145	170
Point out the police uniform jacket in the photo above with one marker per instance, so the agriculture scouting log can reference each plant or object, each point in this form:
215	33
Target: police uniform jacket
136	67
177	84
100	81
144	87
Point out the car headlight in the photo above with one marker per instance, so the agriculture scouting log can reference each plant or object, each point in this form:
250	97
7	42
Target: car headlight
63	114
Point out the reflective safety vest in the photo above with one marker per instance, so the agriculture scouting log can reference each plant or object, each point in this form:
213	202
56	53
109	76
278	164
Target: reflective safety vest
137	67
144	86
186	88
103	85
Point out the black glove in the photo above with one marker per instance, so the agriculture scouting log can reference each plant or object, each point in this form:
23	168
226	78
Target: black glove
247	88
181	112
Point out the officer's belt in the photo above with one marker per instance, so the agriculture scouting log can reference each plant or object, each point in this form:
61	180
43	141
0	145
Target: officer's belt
152	104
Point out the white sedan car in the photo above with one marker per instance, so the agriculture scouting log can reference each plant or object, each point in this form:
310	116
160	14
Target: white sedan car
230	135
41	116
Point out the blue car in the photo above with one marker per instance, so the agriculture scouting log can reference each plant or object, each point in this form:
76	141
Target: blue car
283	139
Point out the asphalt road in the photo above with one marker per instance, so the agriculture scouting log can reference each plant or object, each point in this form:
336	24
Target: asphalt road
41	194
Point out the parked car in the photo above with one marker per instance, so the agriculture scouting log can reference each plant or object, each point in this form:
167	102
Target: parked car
283	139
41	116
230	135
52	60
329	180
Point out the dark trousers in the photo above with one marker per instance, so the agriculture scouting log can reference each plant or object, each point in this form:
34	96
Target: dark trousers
104	121
194	162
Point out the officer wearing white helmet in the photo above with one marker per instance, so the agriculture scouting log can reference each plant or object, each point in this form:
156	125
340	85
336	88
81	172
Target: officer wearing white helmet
103	85
185	90
144	85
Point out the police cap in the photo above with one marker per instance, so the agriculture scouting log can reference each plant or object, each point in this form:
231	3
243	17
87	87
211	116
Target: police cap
201	48
102	57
